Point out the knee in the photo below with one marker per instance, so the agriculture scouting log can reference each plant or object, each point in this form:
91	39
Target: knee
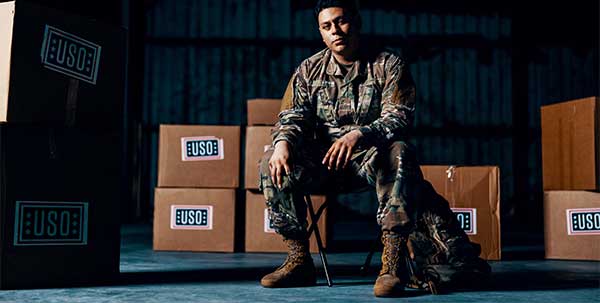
266	183
402	157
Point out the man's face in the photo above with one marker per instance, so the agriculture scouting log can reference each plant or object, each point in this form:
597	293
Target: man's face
338	30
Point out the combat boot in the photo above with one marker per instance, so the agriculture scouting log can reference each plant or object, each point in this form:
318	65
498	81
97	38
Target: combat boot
297	270
393	275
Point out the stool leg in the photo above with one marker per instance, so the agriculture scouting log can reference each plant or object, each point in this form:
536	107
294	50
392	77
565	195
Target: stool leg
318	213
315	219
365	268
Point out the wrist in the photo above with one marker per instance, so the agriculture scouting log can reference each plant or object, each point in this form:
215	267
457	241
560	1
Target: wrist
366	135
282	143
357	133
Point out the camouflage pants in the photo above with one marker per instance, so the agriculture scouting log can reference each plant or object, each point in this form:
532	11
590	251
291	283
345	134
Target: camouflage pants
408	204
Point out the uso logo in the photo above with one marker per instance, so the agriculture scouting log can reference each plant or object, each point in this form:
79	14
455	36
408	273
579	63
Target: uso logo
70	55
50	223
201	148
191	216
583	221
467	218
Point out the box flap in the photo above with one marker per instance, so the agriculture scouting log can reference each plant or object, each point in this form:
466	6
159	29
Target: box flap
7	14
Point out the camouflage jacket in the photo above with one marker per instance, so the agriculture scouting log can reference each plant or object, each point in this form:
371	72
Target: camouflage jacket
376	95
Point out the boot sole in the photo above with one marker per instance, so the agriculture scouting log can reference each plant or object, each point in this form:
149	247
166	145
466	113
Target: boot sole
283	285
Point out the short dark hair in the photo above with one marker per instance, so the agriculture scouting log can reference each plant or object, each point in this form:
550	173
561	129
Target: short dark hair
350	6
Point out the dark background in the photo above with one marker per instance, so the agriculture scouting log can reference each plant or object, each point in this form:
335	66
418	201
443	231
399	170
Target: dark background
482	69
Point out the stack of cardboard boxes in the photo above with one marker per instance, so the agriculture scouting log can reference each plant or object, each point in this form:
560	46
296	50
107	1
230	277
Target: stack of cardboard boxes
571	177
260	236
61	102
198	174
195	202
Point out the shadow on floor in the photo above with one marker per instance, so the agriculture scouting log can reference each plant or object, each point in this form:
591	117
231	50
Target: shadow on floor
238	274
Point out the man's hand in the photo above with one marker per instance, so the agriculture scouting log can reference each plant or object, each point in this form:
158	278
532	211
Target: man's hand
339	153
280	161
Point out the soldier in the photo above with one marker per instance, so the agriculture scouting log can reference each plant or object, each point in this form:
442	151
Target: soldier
343	124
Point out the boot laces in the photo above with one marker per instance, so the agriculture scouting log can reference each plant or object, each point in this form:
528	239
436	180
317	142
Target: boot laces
393	253
297	254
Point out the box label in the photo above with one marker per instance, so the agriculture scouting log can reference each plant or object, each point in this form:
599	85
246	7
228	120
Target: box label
268	223
50	223
191	217
70	55
467	218
202	148
583	221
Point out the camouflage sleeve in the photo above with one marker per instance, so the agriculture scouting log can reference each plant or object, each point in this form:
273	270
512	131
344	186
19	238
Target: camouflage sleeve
398	105
296	118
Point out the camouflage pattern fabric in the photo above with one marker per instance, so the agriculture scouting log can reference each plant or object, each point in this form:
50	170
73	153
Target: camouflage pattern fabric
324	101
391	170
376	95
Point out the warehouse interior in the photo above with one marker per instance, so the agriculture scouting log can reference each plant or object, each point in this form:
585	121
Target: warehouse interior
495	81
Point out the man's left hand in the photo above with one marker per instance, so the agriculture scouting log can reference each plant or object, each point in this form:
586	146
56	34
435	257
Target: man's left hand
339	153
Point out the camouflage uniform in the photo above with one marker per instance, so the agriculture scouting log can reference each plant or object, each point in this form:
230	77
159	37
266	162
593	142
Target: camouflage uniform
325	100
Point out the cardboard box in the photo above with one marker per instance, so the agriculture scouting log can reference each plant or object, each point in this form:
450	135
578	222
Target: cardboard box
199	156
474	195
570	145
194	219
572	225
263	111
258	140
58	68
60	204
260	237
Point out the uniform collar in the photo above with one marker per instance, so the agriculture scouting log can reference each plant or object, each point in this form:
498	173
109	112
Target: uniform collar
333	68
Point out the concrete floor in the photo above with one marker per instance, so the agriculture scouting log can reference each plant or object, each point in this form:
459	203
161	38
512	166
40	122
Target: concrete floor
149	276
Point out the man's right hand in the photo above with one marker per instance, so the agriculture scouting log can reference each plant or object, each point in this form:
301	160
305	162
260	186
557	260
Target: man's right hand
280	162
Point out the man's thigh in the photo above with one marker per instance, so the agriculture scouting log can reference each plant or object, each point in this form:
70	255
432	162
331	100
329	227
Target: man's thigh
307	172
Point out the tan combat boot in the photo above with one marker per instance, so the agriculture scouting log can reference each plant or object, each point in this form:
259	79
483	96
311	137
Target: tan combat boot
297	270
392	277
